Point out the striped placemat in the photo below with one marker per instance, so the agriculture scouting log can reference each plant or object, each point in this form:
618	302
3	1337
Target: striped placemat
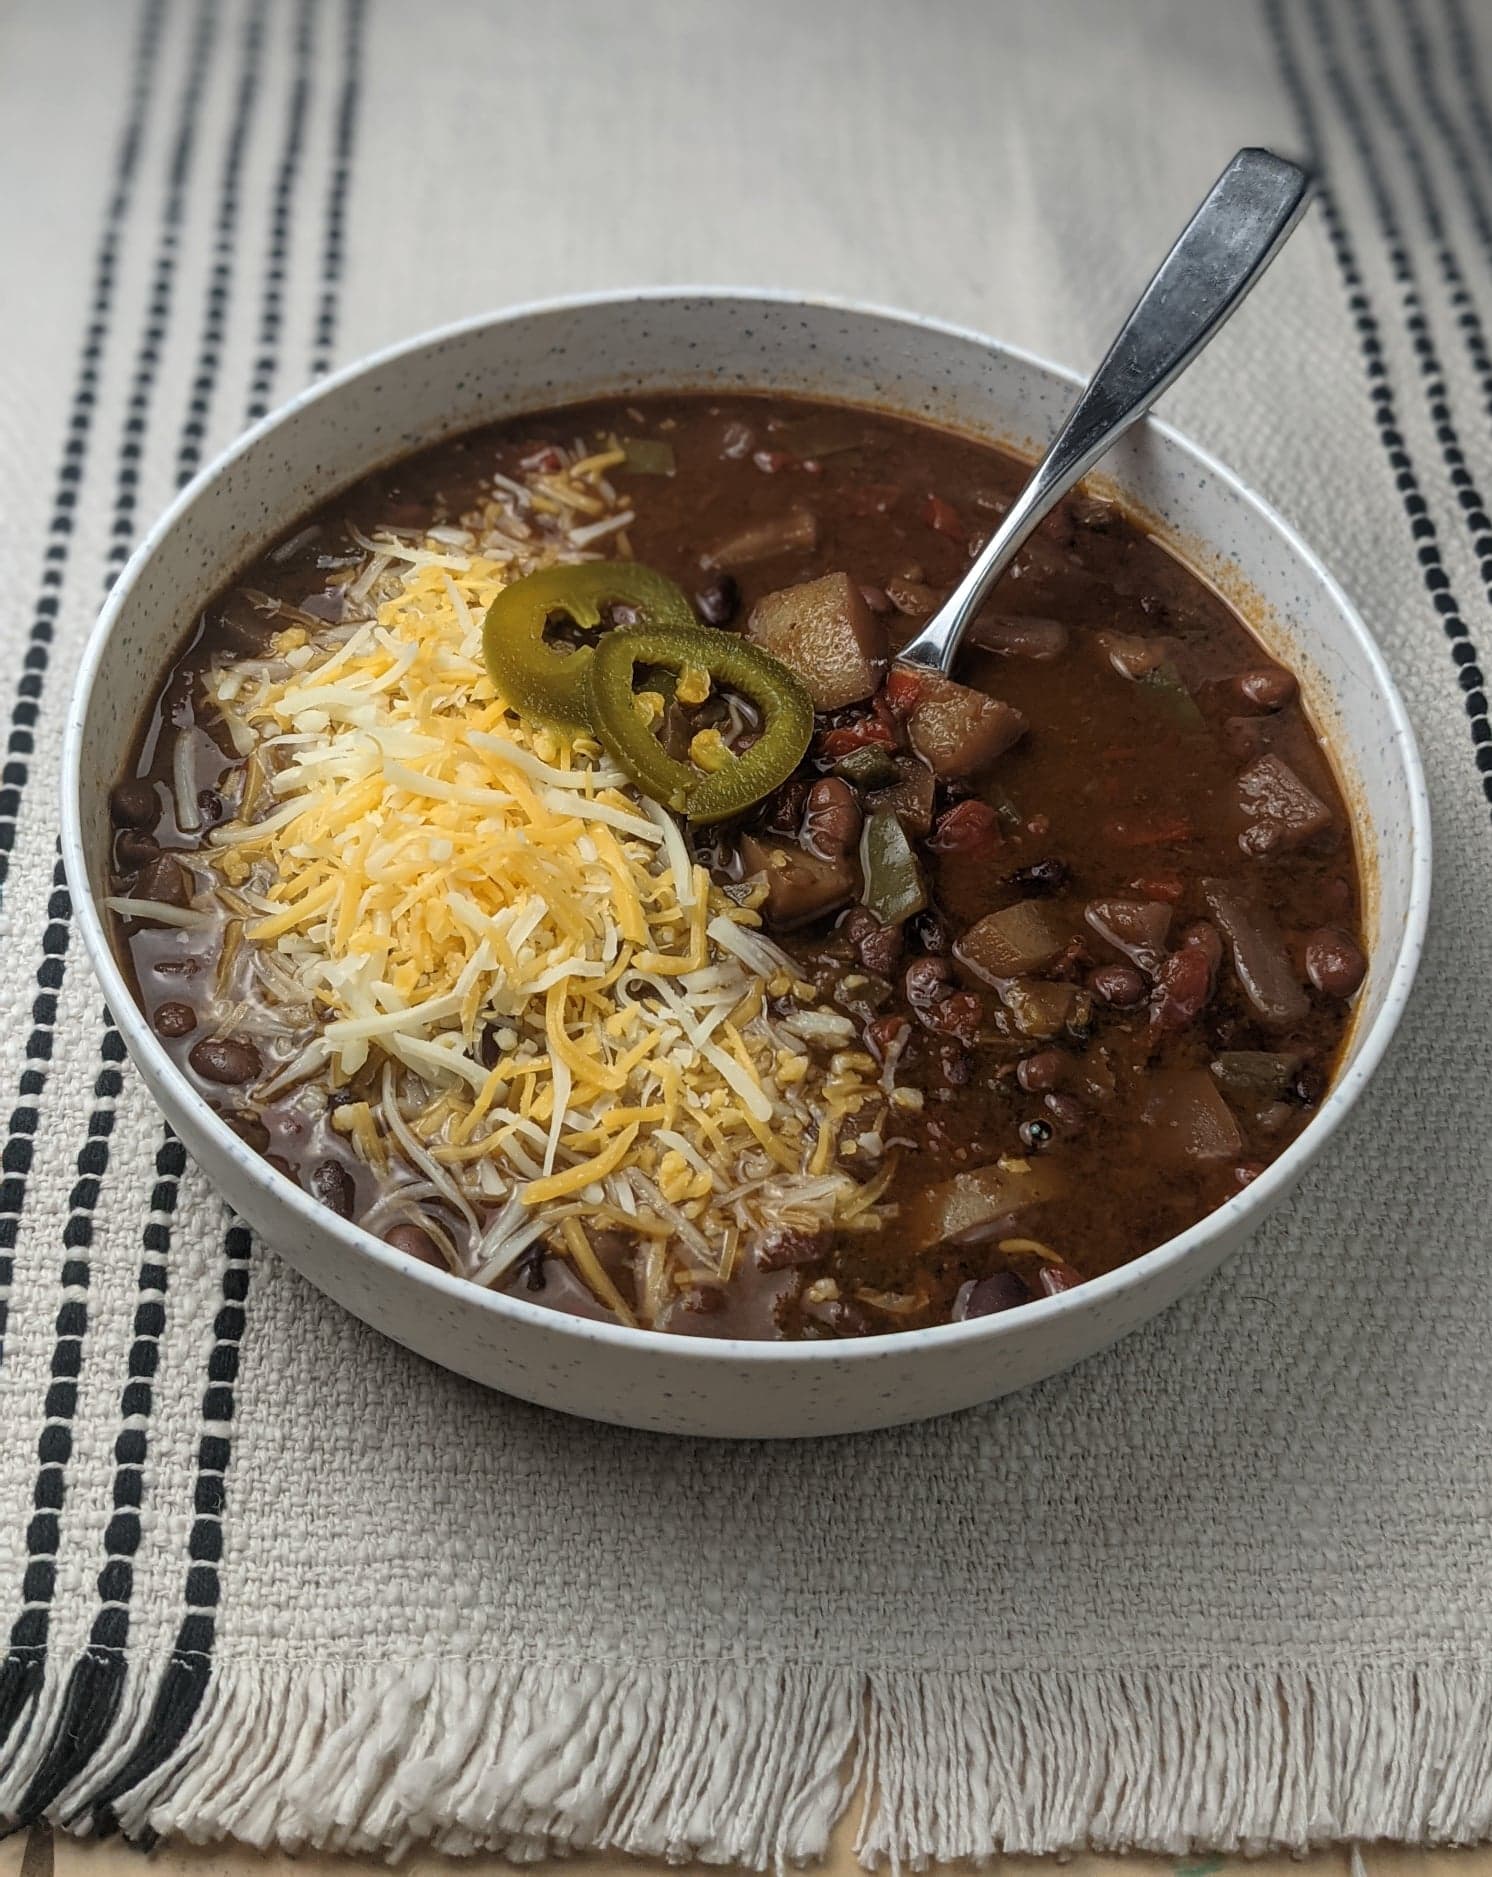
264	1575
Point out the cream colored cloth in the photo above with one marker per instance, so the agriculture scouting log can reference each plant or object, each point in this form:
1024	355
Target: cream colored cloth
266	1575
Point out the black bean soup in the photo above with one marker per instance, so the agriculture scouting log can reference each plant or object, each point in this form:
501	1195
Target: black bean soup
1086	923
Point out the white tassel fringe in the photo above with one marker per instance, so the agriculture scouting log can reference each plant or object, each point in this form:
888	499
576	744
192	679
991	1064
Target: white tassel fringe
753	1766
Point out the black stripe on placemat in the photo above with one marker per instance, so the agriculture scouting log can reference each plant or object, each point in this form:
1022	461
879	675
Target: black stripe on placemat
1463	163
1469	497
1365	321
96	1681
189	1671
276	265
334	244
1466	62
23	1670
69	486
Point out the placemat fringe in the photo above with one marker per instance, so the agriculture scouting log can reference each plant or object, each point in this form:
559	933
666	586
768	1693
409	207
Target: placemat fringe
730	1764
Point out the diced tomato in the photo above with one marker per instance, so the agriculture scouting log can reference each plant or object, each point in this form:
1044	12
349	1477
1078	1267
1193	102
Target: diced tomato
902	691
943	517
1166	886
869	730
770	461
968	827
871	498
1160	831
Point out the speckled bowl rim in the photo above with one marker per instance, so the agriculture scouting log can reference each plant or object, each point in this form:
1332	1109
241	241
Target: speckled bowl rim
1255	1199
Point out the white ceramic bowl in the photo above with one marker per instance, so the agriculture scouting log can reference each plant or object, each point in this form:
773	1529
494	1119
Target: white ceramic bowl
544	355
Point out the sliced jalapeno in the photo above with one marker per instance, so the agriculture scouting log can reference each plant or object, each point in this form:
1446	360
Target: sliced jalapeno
545	680
782	700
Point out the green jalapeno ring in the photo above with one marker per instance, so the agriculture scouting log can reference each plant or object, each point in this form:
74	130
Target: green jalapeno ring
548	683
783	701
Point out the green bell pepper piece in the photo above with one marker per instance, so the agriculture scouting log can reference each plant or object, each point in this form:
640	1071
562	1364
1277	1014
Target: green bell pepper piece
546	681
894	890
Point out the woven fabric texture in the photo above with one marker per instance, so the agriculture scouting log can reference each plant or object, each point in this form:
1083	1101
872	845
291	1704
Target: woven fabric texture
265	1575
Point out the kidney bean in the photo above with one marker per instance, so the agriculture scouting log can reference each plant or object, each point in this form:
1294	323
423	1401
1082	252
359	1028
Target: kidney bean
415	1242
1334	962
1267	689
877	599
174	1019
164	879
135	847
927	981
1056	1278
531	1264
882	1034
878	947
1183	986
1120	985
831	819
986	1296
1042	1072
1068	1113
959	1014
718	602
134	804
331	1183
226	1060
1042	876
249	1127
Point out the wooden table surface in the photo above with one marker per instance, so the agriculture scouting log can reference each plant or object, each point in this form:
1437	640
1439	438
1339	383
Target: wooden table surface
40	1854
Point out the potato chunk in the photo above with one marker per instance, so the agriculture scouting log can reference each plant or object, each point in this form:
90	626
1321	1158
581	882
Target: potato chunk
824	631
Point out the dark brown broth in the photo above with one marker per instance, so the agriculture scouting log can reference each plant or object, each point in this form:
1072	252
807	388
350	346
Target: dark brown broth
1101	749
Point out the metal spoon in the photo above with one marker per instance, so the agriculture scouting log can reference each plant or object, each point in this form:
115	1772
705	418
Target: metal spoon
1245	220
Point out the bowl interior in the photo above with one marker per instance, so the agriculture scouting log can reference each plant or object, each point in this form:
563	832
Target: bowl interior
486	370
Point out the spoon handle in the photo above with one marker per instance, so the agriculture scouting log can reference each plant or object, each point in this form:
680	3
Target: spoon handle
1239	228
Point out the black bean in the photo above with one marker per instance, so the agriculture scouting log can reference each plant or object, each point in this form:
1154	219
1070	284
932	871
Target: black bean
1120	985
226	1060
531	1266
782	1248
831	819
704	1299
331	1183
1068	1113
1042	876
340	1098
1035	1135
210	806
1268	689
135	847
1042	1072
784	810
1002	1290
489	1050
929	932
174	1019
1334	962
414	1242
249	1127
134	804
1309	1085
847	1318
718	602
164	879
955	1063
